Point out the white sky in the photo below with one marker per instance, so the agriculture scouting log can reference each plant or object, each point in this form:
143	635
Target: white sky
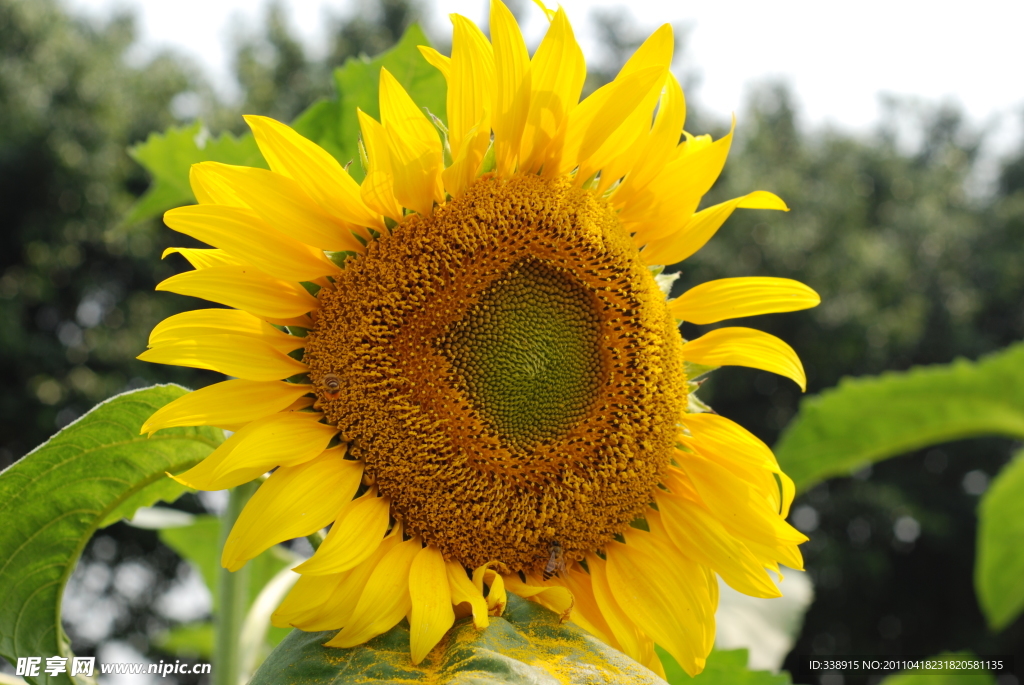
838	55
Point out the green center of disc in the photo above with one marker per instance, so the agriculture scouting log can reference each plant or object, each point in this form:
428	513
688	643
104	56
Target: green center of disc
529	353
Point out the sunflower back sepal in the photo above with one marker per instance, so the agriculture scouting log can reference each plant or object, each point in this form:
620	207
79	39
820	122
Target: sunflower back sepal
527	644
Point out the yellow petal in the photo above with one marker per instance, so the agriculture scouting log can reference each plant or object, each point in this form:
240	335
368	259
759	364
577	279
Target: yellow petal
333	608
440	62
620	151
597	118
702	226
633	641
669	200
233	355
788	493
306	598
281	202
286	439
243	234
666	594
772	555
728	443
463	590
654	151
722	436
431	614
293	502
201	258
210	191
243	287
384	601
766	478
356	533
463	169
738	346
228	402
472	80
549	13
585	611
414	145
698	535
735	503
732	298
556	598
557	74
317	172
496	597
627	112
678	483
202	322
512	87
378	189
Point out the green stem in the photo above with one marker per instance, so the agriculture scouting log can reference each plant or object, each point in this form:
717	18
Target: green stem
316	539
233	595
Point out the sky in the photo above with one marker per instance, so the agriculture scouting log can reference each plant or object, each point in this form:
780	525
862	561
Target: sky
839	56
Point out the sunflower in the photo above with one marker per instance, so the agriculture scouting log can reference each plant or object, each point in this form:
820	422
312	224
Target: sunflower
466	367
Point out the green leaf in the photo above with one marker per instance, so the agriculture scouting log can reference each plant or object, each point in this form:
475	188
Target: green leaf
53	499
199	544
333	124
168	156
999	563
163	490
866	420
526	645
724	667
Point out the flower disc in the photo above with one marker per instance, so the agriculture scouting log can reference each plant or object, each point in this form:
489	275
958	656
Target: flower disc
509	372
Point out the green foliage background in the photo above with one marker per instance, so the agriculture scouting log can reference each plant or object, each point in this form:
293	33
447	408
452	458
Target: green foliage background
915	261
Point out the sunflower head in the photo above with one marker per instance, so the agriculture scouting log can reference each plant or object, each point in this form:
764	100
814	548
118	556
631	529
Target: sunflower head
465	367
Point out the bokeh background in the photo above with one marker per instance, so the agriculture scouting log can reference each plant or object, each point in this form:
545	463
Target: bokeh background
908	220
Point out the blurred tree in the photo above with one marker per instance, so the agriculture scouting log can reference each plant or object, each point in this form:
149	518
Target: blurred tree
374	28
76	291
279	78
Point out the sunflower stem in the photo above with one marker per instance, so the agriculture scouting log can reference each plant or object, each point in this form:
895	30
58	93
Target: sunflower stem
316	539
233	592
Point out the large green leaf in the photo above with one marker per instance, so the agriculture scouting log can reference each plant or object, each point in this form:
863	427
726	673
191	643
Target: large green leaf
53	499
168	156
724	667
999	564
333	124
526	645
866	420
